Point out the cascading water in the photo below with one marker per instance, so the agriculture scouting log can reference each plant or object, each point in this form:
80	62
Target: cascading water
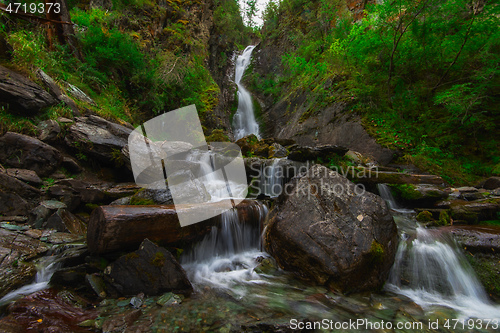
46	267
226	257
244	122
271	179
430	269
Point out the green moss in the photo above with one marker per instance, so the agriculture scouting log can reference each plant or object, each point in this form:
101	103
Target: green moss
424	216
406	191
141	201
377	252
158	260
487	268
444	217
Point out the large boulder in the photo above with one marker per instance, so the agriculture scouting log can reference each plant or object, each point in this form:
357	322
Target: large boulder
325	229
22	94
151	270
25	152
16	197
98	138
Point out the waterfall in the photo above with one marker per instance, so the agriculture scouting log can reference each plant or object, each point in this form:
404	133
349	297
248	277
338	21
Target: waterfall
430	268
244	122
226	257
271	179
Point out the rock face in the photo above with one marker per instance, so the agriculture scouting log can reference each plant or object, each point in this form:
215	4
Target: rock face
476	238
492	183
151	270
324	231
15	195
22	151
98	138
22	94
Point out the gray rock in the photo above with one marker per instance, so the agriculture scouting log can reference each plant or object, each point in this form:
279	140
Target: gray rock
49	130
477	238
278	150
63	221
25	152
24	175
326	230
71	165
15	248
16	197
98	138
151	270
22	94
56	92
79	94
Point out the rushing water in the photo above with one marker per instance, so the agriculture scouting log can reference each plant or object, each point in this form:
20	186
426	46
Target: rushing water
226	257
244	122
430	269
46	267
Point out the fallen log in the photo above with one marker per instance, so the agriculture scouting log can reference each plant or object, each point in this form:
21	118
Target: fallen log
373	176
119	228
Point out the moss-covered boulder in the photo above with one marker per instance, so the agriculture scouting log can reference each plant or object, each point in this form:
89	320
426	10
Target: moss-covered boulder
326	230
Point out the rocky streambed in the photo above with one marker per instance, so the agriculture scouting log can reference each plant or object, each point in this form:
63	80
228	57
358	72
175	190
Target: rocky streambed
109	256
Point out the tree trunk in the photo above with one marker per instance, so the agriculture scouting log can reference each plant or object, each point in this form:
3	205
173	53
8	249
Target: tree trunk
58	28
117	228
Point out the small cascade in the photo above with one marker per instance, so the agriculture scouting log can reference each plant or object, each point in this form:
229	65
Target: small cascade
385	193
272	179
46	267
225	258
430	268
214	182
244	122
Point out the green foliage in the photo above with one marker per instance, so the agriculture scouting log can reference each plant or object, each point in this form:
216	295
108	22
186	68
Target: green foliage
217	135
424	216
423	74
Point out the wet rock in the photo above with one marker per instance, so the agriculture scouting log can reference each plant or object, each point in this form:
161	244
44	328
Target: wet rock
27	176
22	94
120	322
46	311
62	220
474	211
304	153
277	151
266	265
324	229
49	130
15	249
157	197
42	212
151	270
61	238
70	276
420	195
25	152
96	283
492	183
168	299
98	138
478	238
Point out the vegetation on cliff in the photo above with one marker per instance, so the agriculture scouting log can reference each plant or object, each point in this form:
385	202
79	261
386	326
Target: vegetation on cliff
424	75
141	57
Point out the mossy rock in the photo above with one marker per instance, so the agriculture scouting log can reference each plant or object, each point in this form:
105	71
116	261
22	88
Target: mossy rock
425	216
444	217
406	191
